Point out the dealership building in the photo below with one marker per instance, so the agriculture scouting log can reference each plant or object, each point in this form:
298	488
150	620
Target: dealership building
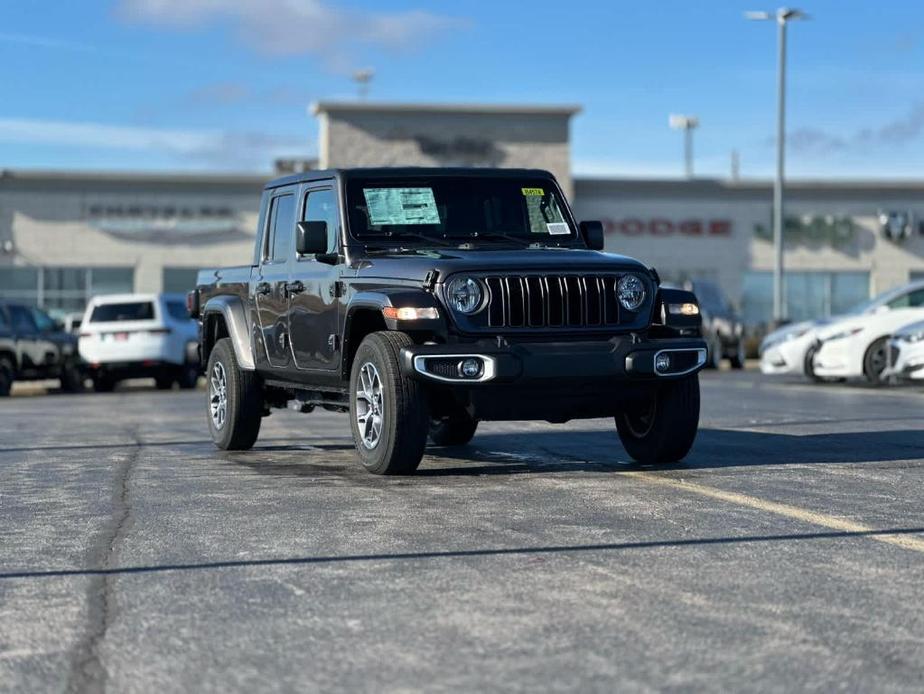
67	235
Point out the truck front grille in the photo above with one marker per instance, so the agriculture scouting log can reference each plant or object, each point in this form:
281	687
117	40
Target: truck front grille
552	301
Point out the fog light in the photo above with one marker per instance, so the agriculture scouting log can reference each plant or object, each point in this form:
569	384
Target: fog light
470	368
662	363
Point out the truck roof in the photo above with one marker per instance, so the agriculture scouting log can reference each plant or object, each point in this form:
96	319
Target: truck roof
405	172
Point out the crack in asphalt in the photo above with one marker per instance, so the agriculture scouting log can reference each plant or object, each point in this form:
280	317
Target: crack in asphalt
87	672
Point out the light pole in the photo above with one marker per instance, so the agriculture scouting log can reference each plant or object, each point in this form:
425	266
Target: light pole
782	17
687	124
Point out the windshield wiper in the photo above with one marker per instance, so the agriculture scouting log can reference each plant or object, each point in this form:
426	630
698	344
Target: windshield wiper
519	240
409	235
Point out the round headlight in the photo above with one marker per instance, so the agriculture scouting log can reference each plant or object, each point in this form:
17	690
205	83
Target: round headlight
631	292
465	295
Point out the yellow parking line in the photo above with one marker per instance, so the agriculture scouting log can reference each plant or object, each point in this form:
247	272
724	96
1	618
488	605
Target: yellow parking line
915	544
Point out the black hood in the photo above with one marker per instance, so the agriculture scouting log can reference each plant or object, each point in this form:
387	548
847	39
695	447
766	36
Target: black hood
449	261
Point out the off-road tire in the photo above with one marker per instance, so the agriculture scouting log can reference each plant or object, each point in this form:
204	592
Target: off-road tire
873	368
405	418
455	430
7	375
71	377
244	401
667	435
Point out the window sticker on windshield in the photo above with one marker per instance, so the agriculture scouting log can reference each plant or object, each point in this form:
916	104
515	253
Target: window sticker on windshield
401	206
533	191
558	228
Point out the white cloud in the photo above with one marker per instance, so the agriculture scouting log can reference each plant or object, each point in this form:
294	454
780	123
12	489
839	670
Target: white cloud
215	148
294	27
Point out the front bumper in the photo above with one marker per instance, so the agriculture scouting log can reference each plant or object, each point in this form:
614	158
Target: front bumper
617	359
907	360
553	381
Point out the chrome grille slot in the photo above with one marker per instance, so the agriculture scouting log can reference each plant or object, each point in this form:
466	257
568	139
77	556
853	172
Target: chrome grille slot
552	301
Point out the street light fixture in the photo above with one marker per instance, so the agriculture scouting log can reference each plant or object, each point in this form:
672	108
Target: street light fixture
782	17
687	124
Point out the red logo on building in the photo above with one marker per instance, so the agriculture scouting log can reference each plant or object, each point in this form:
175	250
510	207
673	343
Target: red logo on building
659	226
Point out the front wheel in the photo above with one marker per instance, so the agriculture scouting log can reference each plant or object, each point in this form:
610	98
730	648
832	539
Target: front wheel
738	359
235	400
455	430
7	374
662	428
388	411
876	360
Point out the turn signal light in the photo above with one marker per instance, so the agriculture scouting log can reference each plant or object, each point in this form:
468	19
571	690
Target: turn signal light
686	309
410	313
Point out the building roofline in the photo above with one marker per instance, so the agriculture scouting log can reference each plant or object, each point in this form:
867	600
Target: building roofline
707	185
319	107
38	175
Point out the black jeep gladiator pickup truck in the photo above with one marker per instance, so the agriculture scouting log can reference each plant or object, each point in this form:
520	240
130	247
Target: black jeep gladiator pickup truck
422	301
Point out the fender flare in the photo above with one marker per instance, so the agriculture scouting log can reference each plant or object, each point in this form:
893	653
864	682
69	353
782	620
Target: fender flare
399	298
231	309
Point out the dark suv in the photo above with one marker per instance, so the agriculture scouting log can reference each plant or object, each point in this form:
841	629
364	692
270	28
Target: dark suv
424	300
33	346
722	326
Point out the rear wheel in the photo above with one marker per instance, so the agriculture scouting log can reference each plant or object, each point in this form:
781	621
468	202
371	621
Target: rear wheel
189	376
662	429
71	377
455	430
388	412
7	374
737	360
103	383
164	382
235	400
714	353
876	360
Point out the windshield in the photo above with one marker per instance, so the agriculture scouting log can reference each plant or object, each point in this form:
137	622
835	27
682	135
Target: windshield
134	310
886	297
458	210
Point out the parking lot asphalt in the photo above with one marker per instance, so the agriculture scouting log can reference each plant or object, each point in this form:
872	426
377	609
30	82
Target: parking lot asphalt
786	553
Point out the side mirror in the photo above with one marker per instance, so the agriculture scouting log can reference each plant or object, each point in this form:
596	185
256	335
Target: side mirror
311	238
593	235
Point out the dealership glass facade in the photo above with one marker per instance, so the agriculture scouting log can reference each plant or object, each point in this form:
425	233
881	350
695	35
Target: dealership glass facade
63	289
809	295
179	279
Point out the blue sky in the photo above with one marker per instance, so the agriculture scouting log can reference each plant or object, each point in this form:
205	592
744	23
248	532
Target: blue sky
224	84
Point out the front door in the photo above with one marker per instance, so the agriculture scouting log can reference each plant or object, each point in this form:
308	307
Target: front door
26	335
269	282
314	310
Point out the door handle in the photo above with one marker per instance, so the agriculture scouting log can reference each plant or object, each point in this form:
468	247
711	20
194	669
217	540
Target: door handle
295	287
263	288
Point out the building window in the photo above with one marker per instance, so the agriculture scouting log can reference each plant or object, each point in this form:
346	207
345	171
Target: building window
62	290
179	279
809	295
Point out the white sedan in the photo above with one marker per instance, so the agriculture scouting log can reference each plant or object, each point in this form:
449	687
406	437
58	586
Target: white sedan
858	347
792	348
906	353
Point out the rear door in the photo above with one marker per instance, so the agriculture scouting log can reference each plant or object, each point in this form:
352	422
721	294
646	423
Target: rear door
46	344
314	304
26	337
269	281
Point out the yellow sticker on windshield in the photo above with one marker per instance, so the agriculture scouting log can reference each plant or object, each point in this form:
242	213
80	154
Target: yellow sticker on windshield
533	191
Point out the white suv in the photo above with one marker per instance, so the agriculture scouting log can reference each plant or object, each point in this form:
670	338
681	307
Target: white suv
137	336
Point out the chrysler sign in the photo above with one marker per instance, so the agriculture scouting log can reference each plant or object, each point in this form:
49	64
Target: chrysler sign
661	226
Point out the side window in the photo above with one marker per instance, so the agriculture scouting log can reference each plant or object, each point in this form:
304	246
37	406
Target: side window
321	206
281	228
43	321
913	299
21	319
